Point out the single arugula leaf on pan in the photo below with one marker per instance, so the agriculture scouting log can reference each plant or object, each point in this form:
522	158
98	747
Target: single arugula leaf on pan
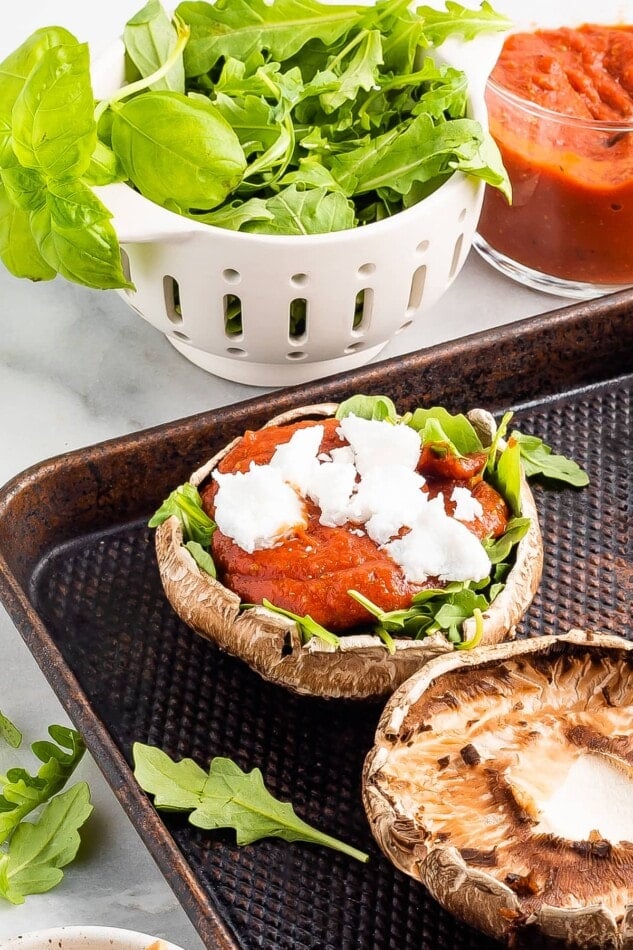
538	459
377	408
225	797
39	850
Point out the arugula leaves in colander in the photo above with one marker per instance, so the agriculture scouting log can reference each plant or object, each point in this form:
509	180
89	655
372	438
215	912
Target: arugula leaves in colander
289	117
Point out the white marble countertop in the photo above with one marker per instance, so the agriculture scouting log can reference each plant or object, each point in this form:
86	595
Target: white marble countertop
77	367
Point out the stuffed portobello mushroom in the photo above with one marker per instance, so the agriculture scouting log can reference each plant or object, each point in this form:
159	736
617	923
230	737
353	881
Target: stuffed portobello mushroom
340	547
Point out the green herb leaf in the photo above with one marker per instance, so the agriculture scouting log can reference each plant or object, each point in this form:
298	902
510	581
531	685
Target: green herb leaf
45	135
186	504
149	38
377	408
479	632
38	850
456	430
307	626
13	74
498	550
18	250
538	459
312	211
440	24
159	138
23	792
225	798
10	732
507	476
202	558
104	167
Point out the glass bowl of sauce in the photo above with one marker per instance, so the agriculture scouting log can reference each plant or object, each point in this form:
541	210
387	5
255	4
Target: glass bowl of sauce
560	106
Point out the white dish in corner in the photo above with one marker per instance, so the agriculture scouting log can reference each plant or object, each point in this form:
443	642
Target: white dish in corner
87	938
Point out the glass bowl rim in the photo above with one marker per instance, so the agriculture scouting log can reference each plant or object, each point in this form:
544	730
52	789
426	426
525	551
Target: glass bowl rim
562	118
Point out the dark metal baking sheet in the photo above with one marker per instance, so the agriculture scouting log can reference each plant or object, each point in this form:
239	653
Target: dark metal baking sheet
78	576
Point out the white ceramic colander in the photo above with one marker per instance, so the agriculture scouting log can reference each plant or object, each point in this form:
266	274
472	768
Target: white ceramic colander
353	290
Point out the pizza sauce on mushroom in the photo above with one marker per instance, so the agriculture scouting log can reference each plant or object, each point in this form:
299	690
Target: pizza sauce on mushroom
312	571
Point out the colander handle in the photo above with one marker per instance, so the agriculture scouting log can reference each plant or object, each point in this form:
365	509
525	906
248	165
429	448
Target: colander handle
137	220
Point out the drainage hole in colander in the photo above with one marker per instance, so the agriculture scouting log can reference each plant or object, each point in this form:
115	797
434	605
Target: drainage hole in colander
404	326
231	276
181	336
422	247
299	280
296	355
235	351
363	309
366	269
125	267
232	305
298	319
417	289
463	214
457	253
353	347
171	294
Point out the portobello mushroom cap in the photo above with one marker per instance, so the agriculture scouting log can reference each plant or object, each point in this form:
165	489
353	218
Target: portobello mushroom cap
503	781
361	668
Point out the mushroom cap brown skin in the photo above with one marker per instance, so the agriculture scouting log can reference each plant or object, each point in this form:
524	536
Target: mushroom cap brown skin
465	824
361	668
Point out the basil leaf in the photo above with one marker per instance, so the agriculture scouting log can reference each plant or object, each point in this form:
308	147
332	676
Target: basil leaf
378	408
44	136
177	150
25	187
456	429
74	235
104	167
538	459
226	797
13	73
18	251
149	38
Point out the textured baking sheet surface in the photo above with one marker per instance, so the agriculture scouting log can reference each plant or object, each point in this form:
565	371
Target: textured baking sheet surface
90	605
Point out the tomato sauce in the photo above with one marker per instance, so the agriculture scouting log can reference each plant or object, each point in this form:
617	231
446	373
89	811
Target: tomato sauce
572	178
312	572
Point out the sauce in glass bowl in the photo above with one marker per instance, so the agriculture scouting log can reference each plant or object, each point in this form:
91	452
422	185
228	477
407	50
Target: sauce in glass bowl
560	106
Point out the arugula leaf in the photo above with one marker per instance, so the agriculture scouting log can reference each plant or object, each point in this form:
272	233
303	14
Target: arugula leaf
10	732
498	550
38	850
22	792
440	24
379	408
538	459
507	475
202	558
310	211
149	39
226	797
456	429
307	626
186	504
360	73
239	27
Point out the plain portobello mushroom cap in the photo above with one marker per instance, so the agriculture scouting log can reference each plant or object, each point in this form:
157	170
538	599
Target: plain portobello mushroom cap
361	668
503	781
